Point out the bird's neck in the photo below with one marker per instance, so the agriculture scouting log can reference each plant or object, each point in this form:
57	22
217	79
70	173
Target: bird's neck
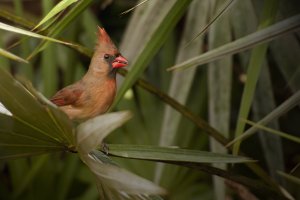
96	75
100	70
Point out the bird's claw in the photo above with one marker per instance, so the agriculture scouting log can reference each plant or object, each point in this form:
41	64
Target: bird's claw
104	148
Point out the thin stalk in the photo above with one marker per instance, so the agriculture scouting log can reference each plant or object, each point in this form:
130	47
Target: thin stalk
256	61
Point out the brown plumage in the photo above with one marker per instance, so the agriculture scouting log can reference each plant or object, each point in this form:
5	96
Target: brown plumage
95	92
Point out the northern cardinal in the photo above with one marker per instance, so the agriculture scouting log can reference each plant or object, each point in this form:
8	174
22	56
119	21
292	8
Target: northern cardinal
95	92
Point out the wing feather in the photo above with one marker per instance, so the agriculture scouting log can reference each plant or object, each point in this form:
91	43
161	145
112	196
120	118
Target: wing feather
67	96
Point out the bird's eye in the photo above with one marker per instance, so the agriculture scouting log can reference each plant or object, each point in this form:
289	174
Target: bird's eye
106	56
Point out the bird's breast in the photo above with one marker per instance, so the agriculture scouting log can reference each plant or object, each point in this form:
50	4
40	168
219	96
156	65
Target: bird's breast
96	100
101	96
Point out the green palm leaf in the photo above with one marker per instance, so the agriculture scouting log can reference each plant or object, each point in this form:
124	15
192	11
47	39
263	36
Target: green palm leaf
34	127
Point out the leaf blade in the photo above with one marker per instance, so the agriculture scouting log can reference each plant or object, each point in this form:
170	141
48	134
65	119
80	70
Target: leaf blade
9	55
257	59
7	27
91	133
156	36
33	127
265	35
54	11
157	153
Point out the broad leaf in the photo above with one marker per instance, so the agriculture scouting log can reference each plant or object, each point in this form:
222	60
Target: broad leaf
117	182
19	140
91	133
112	180
219	83
196	160
181	83
172	154
34	127
155	35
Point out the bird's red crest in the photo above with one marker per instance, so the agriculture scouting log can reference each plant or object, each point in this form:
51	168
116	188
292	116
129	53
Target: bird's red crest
104	39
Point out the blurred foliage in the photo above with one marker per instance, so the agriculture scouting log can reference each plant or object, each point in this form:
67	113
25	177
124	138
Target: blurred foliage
196	108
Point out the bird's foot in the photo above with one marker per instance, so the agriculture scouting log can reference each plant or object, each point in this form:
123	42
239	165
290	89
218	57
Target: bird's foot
104	148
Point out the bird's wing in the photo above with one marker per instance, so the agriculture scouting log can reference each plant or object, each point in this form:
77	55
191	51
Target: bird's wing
67	96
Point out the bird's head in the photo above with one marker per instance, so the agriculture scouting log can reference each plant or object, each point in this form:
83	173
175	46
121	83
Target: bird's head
108	52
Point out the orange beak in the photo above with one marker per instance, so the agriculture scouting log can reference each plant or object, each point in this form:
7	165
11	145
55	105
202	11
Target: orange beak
119	62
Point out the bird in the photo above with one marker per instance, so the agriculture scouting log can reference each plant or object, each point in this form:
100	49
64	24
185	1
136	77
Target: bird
94	93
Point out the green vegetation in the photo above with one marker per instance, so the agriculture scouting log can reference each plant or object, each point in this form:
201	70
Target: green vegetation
207	109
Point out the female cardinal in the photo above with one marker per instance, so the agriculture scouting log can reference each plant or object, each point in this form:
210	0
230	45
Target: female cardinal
95	92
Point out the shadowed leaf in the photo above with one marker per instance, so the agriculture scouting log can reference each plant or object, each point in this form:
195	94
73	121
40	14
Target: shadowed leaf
290	177
276	113
173	154
33	127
